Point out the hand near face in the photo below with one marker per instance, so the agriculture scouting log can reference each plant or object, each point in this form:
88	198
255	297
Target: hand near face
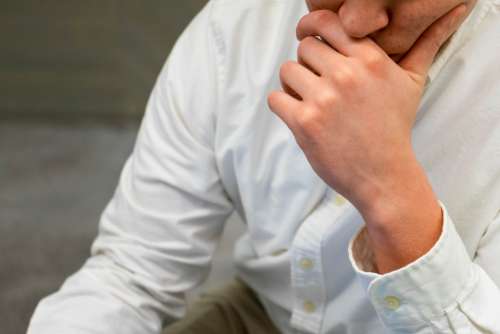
351	108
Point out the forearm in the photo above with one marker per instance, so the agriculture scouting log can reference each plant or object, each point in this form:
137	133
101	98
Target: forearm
100	298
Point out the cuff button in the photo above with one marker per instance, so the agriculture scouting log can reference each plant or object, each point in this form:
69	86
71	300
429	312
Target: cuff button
340	200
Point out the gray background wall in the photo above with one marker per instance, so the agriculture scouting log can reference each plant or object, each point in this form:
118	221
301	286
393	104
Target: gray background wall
84	59
74	80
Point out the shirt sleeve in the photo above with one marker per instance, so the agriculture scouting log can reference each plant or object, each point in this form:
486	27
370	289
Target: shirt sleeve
444	291
158	234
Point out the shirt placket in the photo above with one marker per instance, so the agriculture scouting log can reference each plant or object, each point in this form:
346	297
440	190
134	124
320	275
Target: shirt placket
308	281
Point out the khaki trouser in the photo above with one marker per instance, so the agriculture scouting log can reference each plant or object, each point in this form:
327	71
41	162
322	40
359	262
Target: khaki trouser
233	309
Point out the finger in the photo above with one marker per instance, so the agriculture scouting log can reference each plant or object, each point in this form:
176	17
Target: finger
421	56
290	91
298	78
318	56
327	25
284	106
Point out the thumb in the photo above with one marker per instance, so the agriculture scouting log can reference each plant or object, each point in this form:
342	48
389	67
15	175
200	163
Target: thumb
421	56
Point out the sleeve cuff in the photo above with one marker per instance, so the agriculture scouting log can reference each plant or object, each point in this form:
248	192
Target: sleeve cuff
423	289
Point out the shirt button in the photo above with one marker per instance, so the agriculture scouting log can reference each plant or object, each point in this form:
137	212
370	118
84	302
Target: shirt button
392	303
306	264
309	306
340	200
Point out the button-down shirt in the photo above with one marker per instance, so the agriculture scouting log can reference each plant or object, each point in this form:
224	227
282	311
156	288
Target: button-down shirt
209	145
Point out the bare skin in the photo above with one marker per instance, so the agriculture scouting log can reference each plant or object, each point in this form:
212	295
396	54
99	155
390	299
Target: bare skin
363	82
395	25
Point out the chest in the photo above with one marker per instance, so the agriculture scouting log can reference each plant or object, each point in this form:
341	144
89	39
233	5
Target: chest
456	139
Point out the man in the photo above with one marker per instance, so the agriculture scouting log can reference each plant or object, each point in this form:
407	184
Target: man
369	184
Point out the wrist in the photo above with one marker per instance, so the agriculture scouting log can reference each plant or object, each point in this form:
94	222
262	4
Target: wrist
408	237
402	185
407	194
403	220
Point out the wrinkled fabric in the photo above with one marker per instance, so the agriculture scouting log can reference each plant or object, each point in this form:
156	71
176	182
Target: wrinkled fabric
209	145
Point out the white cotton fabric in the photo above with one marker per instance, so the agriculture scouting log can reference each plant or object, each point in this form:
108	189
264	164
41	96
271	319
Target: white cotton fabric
209	145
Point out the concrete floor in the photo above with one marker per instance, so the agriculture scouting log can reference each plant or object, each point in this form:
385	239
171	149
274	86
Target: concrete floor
55	181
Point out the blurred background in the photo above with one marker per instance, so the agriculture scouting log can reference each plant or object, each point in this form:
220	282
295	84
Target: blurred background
75	78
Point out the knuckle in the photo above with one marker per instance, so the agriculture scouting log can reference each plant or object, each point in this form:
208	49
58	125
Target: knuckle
271	100
305	45
373	60
314	21
301	24
345	78
325	98
309	119
322	17
285	68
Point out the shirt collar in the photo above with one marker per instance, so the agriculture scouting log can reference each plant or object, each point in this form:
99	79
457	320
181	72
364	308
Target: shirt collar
459	38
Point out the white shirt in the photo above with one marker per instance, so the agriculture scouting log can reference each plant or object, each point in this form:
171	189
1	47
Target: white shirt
209	144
